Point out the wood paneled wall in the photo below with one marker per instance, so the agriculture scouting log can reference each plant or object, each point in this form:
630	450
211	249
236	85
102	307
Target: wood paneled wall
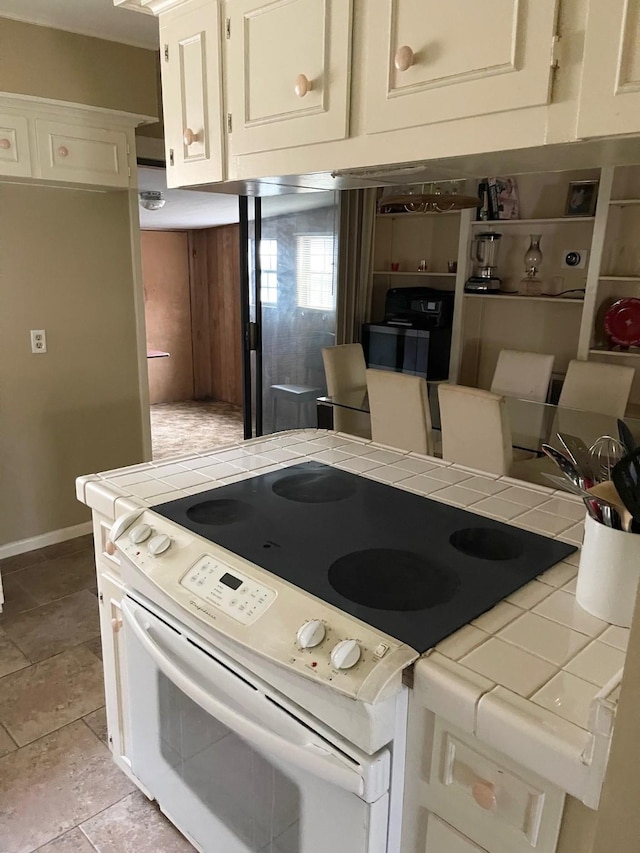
192	310
216	324
165	275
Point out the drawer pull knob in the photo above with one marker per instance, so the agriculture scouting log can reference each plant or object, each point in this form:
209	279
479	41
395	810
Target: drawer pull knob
303	85
5	144
484	793
189	137
404	58
63	151
116	624
110	548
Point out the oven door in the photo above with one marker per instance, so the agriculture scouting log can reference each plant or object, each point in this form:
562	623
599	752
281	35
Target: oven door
237	767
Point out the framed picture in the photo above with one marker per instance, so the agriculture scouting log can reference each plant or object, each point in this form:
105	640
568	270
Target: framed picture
581	198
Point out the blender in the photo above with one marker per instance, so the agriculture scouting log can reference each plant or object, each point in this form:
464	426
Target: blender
484	254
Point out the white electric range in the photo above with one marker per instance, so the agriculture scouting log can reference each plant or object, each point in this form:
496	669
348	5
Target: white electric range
281	683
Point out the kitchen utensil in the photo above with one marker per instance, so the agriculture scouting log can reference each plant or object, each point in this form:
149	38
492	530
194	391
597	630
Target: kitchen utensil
605	452
578	454
607	492
565	465
626	479
622	322
626	436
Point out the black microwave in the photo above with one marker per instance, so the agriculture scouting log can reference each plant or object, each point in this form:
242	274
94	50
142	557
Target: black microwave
421	352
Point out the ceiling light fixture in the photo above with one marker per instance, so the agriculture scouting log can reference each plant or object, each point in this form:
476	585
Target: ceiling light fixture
152	199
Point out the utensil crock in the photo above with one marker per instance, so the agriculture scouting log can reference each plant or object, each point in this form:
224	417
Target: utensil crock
608	573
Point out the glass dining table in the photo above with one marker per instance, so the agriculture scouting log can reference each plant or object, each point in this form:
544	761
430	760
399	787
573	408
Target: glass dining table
532	424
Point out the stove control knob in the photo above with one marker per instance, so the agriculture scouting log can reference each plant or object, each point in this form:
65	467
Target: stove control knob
159	544
311	634
140	533
346	654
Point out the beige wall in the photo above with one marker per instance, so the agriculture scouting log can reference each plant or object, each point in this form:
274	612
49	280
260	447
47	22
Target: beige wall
66	268
49	63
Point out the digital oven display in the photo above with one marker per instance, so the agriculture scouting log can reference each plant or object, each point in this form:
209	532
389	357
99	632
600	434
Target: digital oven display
229	580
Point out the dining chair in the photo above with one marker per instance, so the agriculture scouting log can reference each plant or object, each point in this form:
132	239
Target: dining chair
596	387
522	374
345	370
399	407
475	428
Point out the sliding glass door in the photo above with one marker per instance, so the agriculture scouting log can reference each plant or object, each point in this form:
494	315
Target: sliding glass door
289	296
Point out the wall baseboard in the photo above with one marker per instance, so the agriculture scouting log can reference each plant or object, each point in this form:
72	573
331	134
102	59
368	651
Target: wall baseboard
44	539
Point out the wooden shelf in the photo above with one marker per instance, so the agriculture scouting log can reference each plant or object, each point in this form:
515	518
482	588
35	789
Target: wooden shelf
632	353
523	298
417	272
490	223
619	278
623	201
407	214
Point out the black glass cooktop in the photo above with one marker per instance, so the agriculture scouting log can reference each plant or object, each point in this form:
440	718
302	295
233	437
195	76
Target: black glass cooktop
415	568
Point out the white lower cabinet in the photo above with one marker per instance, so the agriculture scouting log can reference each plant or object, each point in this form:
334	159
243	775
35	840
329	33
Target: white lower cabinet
462	796
442	838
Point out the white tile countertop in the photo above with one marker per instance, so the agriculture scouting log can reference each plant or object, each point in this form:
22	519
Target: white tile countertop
536	677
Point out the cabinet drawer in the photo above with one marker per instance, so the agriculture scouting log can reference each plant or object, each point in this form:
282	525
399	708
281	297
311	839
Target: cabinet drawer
441	838
14	146
489	798
79	154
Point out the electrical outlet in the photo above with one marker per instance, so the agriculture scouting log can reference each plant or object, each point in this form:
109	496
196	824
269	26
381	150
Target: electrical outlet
574	259
38	341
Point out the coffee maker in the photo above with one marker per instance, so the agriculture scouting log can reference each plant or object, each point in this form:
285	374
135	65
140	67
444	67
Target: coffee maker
484	254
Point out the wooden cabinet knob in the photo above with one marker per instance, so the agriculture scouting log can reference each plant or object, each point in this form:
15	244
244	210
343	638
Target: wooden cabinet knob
110	548
303	85
63	151
404	58
484	793
5	144
116	624
189	137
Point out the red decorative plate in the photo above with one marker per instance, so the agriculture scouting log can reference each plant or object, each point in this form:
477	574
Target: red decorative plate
622	322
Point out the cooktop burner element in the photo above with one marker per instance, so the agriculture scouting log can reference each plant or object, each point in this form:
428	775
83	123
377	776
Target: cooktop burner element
417	569
392	580
314	487
486	543
219	512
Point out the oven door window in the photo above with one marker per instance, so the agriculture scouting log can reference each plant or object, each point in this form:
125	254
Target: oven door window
258	782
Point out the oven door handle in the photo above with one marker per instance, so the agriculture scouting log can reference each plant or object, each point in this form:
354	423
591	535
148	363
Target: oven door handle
311	757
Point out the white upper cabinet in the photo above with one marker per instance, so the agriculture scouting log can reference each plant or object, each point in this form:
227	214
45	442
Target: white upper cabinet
190	41
84	155
15	159
430	61
610	100
288	73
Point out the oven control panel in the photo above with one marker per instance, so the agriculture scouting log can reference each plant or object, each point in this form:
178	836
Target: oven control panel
183	573
237	595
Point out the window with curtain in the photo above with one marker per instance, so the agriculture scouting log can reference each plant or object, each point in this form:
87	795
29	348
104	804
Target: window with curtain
269	272
314	268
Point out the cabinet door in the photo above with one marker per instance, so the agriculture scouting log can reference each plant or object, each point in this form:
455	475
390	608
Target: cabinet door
429	61
83	155
110	595
442	838
14	146
192	94
610	100
288	77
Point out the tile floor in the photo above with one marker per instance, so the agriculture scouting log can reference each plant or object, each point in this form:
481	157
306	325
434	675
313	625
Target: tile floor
59	790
